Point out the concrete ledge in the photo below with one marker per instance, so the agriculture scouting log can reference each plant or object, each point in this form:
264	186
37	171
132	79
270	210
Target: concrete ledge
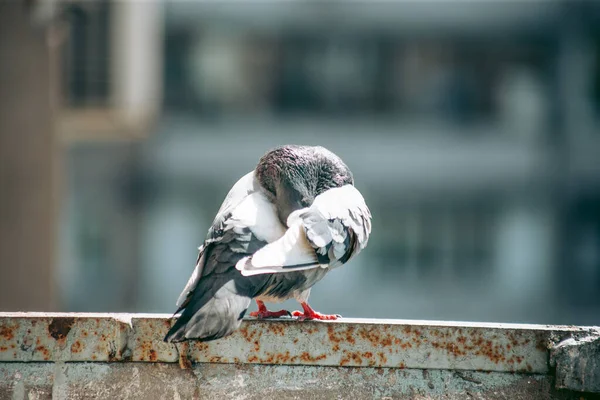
577	362
28	337
97	355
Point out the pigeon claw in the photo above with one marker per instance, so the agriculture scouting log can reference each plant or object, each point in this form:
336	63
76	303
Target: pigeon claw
264	313
270	314
310	314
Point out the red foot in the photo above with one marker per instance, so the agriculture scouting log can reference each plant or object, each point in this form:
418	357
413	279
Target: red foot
264	313
309	313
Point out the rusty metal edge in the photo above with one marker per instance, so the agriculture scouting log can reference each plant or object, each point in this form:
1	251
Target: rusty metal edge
112	337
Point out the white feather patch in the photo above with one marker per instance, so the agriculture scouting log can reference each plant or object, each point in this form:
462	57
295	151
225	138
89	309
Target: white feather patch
310	231
290	253
241	189
259	214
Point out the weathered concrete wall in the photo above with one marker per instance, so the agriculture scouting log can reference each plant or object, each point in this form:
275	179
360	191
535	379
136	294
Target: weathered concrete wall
244	381
108	356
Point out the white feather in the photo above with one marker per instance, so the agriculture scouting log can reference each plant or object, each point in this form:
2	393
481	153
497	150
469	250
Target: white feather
238	192
295	250
291	252
259	214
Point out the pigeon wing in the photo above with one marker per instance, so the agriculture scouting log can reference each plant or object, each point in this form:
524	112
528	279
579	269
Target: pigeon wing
327	234
217	295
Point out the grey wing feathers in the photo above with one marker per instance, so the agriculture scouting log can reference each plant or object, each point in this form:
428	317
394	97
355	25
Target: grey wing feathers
240	190
331	239
214	306
338	225
216	297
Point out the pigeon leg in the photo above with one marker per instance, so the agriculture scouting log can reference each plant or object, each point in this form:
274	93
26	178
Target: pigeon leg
264	313
309	313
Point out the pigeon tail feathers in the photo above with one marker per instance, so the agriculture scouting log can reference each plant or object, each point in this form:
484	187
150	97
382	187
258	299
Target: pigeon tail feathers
215	310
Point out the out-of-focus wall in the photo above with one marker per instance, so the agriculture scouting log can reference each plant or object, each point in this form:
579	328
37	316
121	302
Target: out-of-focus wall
27	163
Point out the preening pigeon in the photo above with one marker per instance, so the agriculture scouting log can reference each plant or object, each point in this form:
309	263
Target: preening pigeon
281	228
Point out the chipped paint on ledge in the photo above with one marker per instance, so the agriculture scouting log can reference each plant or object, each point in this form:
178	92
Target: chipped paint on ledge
26	337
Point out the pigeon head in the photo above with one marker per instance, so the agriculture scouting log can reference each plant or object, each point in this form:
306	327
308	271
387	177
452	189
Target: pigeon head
294	175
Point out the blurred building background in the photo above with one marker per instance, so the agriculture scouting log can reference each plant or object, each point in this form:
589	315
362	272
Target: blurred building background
471	128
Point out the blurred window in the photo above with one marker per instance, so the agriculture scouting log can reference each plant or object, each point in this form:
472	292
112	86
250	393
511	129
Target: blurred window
455	241
86	59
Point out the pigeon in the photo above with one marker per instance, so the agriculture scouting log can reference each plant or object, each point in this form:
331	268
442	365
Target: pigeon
280	229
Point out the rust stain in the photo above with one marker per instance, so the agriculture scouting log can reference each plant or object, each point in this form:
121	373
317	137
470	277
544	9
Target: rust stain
148	352
295	340
333	337
76	347
269	360
358	358
3	348
276	329
59	328
45	352
256	345
252	359
386	341
201	346
371	335
307	357
312	330
247	334
382	340
7	332
283	358
350	335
